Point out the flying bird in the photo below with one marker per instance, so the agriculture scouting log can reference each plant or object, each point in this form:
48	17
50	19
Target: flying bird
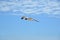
29	19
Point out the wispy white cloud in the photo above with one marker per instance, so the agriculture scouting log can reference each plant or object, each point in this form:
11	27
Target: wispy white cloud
30	6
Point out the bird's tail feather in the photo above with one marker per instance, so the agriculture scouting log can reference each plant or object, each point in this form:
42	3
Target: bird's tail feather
36	20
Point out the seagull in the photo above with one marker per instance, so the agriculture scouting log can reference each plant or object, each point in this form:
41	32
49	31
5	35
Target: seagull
29	19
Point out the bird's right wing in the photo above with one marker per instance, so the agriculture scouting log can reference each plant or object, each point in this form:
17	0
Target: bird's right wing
30	19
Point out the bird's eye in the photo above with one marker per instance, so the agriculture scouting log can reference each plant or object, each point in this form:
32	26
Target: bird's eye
25	18
22	18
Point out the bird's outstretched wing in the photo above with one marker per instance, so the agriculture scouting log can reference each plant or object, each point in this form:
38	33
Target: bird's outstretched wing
31	19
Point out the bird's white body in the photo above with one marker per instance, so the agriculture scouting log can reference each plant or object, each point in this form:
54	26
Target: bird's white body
29	19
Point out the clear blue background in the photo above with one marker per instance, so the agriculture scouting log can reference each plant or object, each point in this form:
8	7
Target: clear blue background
13	28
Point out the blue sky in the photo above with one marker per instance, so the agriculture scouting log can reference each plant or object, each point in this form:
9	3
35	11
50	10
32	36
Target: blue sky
13	28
